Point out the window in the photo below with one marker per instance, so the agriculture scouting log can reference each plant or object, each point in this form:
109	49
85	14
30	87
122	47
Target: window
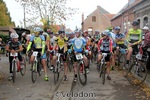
93	18
145	21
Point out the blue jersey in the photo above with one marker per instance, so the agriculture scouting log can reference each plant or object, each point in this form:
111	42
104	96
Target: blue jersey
78	44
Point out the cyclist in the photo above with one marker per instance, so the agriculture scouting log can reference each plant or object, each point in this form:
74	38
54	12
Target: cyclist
14	46
105	46
97	36
78	45
38	43
61	47
88	47
134	37
146	44
50	44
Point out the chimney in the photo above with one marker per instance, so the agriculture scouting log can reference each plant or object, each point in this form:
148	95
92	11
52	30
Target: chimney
82	24
98	7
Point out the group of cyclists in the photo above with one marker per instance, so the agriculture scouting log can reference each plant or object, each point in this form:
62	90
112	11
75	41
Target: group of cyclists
107	41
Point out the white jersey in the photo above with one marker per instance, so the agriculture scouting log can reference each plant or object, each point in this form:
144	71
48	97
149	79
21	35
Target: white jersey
52	40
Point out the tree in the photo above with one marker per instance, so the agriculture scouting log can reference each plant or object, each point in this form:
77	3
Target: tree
5	19
48	11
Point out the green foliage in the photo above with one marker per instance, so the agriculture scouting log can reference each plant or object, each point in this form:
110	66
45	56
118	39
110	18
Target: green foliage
5	19
4	37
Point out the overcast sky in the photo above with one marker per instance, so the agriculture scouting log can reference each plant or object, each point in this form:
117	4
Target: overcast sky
85	6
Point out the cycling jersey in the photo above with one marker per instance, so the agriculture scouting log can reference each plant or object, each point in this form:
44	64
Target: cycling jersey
134	35
61	41
38	43
88	42
120	36
78	44
97	36
14	45
105	45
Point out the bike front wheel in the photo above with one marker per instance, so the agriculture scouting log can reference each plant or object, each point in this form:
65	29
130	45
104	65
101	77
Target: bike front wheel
136	75
56	73
82	74
23	67
14	71
34	72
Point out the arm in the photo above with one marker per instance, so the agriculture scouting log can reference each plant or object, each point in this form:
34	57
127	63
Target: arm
43	47
20	49
99	43
29	46
111	45
7	48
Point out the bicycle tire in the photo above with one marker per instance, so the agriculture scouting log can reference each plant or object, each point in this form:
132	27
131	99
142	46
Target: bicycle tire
34	72
137	81
23	70
103	74
14	71
121	61
83	73
39	67
70	64
48	61
56	73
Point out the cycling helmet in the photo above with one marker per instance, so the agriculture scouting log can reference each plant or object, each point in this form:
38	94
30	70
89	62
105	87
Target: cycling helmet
77	31
61	31
106	32
145	28
49	31
86	32
37	30
117	28
14	35
135	23
97	31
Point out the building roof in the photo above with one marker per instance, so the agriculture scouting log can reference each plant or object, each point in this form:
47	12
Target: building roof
103	10
110	16
129	5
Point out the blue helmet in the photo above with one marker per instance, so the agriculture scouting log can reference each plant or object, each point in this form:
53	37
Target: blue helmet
117	28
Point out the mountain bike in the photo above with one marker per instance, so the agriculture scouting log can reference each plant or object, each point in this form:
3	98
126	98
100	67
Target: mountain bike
103	67
36	66
137	72
57	68
16	67
121	58
81	69
70	61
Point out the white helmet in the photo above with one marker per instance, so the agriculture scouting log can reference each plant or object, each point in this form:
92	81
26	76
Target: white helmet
37	29
14	35
145	28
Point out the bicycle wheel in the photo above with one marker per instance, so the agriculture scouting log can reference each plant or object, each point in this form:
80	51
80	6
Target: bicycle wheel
56	73
14	71
70	64
121	61
34	71
82	74
137	74
23	67
102	73
48	61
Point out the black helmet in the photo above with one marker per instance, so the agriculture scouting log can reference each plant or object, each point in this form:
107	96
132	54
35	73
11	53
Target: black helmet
135	23
61	31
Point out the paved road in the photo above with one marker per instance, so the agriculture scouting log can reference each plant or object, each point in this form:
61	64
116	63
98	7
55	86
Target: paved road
116	89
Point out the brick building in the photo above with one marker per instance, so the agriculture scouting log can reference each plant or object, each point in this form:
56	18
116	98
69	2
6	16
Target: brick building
142	13
126	15
97	20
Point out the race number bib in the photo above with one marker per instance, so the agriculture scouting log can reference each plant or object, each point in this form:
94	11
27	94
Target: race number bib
79	56
35	53
15	54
